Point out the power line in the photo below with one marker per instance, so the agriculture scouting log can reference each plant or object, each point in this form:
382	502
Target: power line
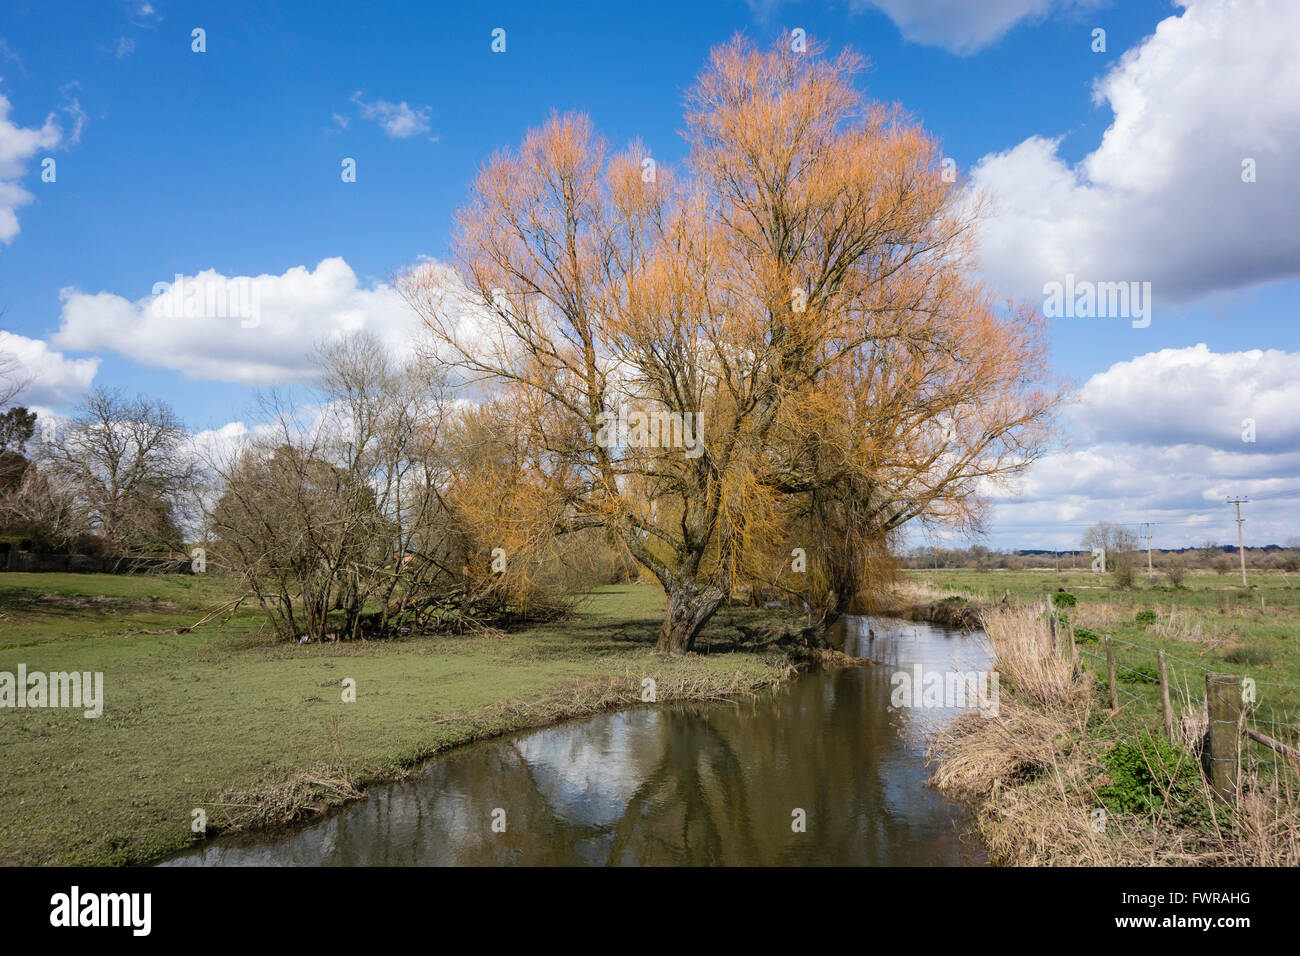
1270	495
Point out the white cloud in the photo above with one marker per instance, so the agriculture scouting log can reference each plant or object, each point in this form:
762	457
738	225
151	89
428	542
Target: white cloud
72	106
54	379
398	120
18	145
220	446
959	26
1160	438
294	312
142	13
1197	397
124	47
8	53
1162	198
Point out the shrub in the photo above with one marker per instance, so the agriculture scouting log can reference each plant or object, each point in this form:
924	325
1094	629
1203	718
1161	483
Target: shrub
1145	617
1151	776
1084	636
1251	655
1064	599
1142	674
1176	572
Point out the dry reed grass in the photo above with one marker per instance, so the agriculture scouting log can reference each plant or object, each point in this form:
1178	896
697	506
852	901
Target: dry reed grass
1035	774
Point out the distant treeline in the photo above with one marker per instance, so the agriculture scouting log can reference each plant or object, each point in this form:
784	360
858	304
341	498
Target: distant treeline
1210	556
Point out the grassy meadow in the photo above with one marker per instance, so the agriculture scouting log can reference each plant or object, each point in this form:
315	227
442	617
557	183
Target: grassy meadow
1037	776
1211	622
209	711
254	731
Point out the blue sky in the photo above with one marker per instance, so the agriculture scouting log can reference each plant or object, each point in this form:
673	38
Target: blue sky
171	161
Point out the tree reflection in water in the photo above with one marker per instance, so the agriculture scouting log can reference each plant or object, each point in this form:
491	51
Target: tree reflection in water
698	784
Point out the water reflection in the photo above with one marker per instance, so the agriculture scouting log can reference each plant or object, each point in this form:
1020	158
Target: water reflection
691	784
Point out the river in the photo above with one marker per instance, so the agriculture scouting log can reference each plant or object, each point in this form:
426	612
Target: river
820	771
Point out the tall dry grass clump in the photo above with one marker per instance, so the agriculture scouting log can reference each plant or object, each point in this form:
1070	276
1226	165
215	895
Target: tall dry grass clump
1026	658
1054	783
1185	627
1266	824
1043	707
1096	615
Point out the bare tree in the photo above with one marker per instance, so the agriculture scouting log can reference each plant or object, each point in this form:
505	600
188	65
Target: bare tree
1120	544
382	506
14	378
45	508
128	462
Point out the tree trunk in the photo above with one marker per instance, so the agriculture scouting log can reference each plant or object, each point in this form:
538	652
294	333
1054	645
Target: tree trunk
689	609
834	606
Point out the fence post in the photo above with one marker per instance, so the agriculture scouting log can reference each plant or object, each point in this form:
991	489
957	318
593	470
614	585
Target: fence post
1165	709
1223	737
1110	675
1052	625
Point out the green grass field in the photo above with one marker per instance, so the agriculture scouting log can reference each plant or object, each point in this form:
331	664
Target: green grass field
226	719
255	731
1211	623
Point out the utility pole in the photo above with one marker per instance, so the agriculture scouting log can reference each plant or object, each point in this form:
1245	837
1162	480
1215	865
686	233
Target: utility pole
1149	572
1241	540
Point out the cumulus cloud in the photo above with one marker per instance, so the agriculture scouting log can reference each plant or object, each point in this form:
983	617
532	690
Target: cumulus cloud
19	144
1160	438
53	378
1196	397
269	343
1162	198
398	120
218	447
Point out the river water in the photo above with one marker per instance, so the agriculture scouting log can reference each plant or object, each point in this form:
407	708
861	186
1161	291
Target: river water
717	783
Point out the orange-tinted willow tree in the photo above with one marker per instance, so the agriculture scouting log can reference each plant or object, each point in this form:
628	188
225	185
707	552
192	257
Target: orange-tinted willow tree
897	433
674	347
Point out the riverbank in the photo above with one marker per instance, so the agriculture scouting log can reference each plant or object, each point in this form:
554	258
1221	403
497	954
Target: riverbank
823	772
1056	778
252	732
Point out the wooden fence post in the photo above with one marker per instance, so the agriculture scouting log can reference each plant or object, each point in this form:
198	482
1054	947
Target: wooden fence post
1055	628
1223	738
1165	710
1110	675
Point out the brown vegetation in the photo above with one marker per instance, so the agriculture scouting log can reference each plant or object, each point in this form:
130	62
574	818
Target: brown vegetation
799	295
1037	775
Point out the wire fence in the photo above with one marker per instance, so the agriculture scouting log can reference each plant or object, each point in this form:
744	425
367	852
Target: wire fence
1269	707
